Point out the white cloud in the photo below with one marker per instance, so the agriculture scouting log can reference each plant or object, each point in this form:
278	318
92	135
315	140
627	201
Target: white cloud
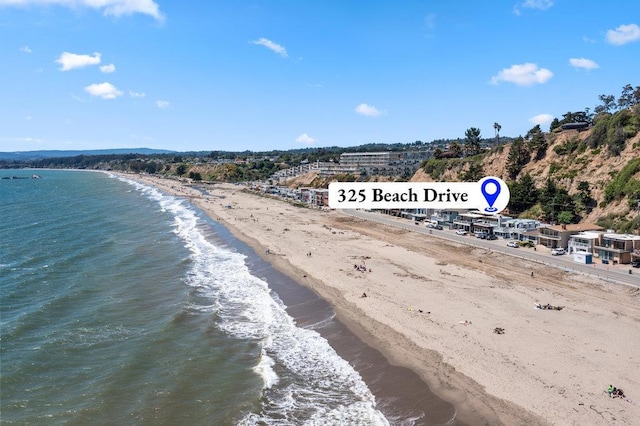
523	75
305	139
532	4
69	61
24	49
430	22
162	104
136	94
624	34
103	90
115	8
107	69
541	119
587	64
30	140
280	50
368	110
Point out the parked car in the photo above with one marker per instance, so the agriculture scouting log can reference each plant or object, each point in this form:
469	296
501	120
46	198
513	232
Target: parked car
491	237
438	227
513	244
558	251
636	263
461	232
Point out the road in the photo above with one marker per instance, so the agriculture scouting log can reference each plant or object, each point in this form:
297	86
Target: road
610	273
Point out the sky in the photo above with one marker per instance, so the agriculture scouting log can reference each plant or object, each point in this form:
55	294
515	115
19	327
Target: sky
237	75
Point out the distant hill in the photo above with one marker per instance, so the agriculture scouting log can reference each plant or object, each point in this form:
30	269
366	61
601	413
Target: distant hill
35	155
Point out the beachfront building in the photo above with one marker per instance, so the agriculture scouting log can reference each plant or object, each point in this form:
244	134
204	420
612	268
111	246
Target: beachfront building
444	218
322	197
487	224
557	236
473	221
308	195
584	242
618	248
417	215
464	221
519	229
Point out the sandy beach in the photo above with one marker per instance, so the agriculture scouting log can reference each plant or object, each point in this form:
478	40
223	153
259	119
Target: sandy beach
463	318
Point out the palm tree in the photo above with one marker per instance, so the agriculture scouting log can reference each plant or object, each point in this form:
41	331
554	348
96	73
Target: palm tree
497	128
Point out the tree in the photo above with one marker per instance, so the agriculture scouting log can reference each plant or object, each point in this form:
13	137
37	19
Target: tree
518	157
583	198
455	149
545	197
472	141
608	104
537	142
555	123
437	153
497	128
524	194
626	98
565	217
473	174
181	169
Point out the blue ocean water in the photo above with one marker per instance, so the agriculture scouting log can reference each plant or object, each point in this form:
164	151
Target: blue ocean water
121	305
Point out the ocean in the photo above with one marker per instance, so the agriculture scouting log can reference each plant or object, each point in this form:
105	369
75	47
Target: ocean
120	304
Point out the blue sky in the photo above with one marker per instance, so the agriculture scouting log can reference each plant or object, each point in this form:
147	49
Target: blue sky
259	75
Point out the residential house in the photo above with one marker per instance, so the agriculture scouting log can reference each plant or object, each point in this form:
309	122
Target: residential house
584	242
557	236
618	248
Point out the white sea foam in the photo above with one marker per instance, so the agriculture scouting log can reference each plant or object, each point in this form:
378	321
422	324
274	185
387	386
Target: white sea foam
313	384
265	370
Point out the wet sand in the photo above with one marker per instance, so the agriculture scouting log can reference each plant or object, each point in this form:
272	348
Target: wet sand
401	394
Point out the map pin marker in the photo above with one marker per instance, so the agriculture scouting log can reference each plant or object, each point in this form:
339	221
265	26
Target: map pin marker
491	197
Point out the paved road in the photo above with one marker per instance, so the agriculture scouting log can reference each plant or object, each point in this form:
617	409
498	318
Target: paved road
610	273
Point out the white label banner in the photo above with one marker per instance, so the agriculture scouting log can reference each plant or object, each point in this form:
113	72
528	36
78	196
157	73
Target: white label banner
489	195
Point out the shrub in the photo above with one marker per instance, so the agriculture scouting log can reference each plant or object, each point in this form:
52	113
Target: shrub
623	183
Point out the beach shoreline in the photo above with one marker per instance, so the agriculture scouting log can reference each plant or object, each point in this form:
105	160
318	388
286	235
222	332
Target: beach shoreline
435	306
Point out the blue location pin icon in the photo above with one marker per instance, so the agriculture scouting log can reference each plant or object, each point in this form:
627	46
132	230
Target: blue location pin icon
490	191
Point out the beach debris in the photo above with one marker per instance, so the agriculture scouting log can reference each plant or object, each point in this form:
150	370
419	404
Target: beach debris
498	330
364	295
465	322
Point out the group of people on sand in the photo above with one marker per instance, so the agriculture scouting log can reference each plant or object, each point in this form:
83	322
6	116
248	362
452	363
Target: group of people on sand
361	268
549	307
614	392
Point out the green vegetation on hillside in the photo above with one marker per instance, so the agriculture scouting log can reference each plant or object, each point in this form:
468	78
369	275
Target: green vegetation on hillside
623	185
